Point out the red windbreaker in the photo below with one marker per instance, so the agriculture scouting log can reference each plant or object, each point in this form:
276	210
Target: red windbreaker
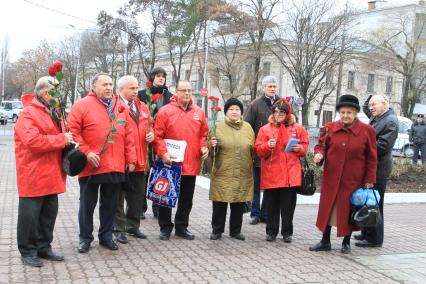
90	123
38	153
173	122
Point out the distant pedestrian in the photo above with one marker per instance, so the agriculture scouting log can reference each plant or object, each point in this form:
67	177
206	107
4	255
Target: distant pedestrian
418	138
348	149
232	175
38	151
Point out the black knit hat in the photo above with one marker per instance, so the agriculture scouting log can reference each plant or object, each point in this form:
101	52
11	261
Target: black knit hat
421	115
233	102
348	101
155	71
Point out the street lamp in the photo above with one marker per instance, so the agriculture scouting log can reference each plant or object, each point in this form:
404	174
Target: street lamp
78	65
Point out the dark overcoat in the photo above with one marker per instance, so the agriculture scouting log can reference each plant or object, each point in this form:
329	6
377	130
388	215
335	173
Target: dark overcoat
350	161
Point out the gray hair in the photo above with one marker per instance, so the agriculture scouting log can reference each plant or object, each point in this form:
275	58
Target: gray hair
43	84
96	77
125	79
269	79
382	98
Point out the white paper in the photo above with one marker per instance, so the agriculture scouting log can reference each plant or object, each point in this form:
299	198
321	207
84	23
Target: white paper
176	149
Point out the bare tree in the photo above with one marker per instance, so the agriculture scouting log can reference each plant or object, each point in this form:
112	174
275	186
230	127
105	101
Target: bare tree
4	59
309	45
397	47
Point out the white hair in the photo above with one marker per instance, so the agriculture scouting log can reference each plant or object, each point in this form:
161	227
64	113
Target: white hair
43	84
125	79
269	79
382	98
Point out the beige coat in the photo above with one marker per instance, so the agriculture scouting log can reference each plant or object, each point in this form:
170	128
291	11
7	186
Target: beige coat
232	174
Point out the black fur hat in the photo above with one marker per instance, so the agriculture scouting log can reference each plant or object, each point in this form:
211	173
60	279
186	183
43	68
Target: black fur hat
74	161
348	101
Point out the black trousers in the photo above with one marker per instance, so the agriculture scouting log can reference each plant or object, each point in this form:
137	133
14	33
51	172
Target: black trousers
280	201
129	219
36	221
184	206
107	208
235	219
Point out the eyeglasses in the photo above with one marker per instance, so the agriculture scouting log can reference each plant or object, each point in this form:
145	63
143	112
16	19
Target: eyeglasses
184	90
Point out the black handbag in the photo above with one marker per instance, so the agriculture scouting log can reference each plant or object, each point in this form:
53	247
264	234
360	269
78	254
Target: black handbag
308	179
365	215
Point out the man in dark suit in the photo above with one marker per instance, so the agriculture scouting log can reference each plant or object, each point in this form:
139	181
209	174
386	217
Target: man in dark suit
157	77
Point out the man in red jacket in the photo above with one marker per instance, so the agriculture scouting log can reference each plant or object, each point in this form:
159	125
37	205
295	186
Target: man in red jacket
38	150
134	194
181	120
99	123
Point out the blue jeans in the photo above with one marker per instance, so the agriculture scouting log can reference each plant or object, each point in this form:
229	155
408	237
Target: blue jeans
376	235
257	210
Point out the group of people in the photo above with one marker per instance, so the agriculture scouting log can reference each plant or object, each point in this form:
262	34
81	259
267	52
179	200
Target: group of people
248	150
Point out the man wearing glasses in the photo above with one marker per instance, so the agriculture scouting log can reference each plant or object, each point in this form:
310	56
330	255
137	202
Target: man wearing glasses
181	120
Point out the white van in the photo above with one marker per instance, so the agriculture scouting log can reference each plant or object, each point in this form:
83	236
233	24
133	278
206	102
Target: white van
12	108
402	146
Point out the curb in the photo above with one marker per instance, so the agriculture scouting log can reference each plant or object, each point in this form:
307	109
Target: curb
390	198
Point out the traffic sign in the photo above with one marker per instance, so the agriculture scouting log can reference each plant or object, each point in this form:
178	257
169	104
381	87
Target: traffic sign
300	101
204	92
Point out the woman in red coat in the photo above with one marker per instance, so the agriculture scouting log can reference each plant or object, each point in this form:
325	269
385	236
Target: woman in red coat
348	149
281	171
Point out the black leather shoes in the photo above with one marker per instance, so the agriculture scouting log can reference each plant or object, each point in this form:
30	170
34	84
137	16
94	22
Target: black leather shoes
359	237
121	238
111	245
214	236
164	236
346	248
50	255
83	247
270	238
287	239
320	247
367	244
137	234
33	261
239	236
187	235
254	221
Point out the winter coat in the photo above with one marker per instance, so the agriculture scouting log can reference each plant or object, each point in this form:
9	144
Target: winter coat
38	153
232	176
140	129
90	124
257	115
190	125
386	126
418	133
280	169
164	92
350	161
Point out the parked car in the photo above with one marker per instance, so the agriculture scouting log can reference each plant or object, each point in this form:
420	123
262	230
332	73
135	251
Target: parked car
13	109
3	116
402	146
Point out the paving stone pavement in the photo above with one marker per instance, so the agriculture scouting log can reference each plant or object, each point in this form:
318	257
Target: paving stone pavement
401	260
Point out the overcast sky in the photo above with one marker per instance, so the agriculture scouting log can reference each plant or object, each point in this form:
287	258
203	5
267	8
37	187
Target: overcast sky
27	24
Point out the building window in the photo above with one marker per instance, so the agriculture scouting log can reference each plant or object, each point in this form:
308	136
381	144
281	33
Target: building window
187	74
351	80
327	116
266	68
389	85
329	78
370	83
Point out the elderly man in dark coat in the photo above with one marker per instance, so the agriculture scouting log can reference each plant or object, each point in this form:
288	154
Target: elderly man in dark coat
385	122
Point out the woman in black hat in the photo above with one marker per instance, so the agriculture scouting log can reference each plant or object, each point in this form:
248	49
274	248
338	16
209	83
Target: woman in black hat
232	177
348	149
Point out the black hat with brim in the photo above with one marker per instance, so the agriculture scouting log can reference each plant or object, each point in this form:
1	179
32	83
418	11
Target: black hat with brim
348	101
74	161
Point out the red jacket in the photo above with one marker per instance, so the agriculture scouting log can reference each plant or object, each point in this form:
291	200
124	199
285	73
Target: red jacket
279	168
140	130
173	122
90	123
350	162
38	153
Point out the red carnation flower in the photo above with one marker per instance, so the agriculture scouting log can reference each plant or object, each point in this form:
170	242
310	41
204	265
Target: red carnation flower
328	126
148	84
58	66
217	109
120	109
156	97
52	70
213	98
